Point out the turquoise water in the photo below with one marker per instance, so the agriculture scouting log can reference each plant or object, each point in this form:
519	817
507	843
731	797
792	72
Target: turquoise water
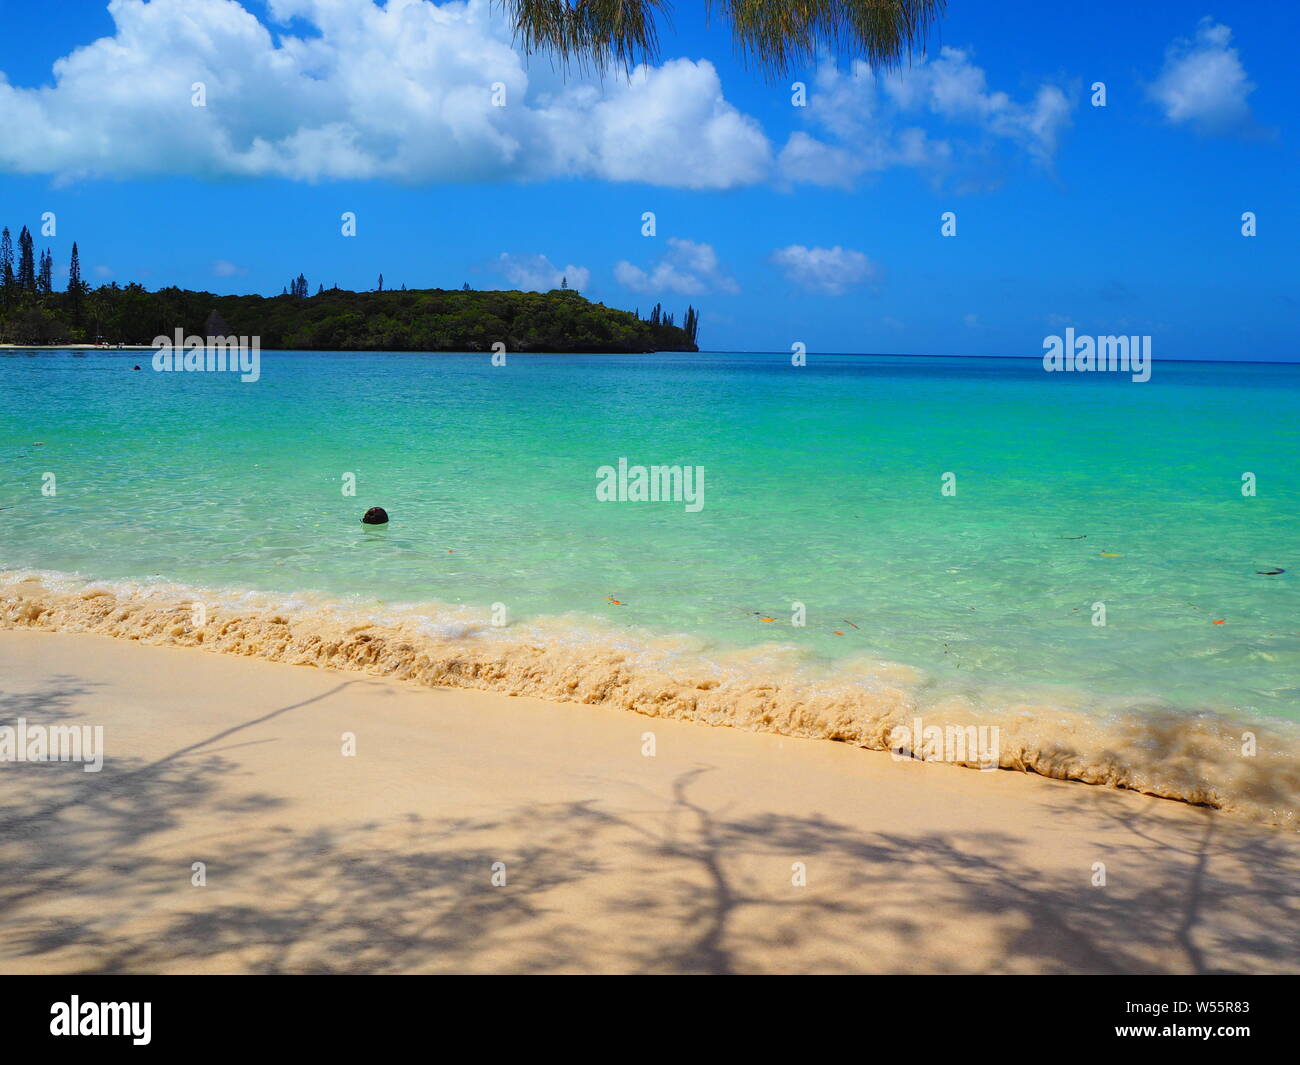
822	486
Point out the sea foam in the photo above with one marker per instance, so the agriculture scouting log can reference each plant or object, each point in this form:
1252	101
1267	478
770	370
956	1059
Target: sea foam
1194	757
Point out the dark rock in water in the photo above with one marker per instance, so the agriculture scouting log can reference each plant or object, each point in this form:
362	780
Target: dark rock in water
135	367
375	516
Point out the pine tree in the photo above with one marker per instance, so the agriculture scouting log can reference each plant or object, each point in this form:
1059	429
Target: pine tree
7	282
692	323
381	284
76	288
45	278
26	264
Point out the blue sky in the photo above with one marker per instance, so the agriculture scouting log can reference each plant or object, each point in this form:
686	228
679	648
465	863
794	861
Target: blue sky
818	224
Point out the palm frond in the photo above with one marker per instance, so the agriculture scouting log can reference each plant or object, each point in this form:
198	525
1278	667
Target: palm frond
774	34
599	32
780	34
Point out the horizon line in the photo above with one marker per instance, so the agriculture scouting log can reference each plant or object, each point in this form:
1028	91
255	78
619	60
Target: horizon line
926	355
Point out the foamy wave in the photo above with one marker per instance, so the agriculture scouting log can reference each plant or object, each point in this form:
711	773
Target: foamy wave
1156	750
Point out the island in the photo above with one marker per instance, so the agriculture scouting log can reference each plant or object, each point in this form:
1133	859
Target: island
337	319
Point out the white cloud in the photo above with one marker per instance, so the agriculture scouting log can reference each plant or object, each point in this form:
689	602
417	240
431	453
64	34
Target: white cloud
867	120
536	273
225	268
687	269
1203	83
404	92
828	270
952	87
401	92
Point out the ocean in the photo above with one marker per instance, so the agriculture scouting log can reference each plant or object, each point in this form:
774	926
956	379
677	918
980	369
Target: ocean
929	533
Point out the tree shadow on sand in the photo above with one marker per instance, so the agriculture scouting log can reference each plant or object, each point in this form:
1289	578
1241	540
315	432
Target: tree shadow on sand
90	881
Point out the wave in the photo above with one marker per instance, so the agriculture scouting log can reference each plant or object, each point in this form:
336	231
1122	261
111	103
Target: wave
1196	757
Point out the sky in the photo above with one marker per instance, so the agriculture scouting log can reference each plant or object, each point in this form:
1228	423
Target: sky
810	215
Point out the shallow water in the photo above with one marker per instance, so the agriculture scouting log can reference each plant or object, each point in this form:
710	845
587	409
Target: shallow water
822	487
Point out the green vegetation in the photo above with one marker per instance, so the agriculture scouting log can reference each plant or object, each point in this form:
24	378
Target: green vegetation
332	319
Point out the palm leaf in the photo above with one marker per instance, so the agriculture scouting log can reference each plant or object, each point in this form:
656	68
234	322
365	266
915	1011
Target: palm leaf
775	35
599	32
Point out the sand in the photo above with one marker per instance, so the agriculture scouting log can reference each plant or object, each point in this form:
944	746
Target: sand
724	851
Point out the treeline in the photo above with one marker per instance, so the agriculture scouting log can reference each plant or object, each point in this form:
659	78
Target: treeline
32	312
27	283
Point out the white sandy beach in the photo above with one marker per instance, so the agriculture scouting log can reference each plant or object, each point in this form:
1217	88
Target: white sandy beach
614	861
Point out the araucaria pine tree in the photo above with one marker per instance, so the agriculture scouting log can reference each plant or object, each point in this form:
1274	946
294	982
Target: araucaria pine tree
26	264
7	281
75	287
692	323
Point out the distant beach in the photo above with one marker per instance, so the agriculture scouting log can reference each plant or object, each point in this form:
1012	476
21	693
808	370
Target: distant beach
75	347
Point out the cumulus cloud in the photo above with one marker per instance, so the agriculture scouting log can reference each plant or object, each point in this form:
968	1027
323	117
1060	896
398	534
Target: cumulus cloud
867	122
536	273
1203	84
407	92
686	269
828	270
